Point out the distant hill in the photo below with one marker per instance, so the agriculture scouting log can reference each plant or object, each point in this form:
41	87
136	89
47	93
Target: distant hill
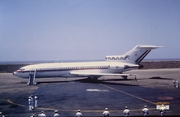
148	64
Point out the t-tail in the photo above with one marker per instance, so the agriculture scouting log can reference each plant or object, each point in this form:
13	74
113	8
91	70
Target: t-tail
136	55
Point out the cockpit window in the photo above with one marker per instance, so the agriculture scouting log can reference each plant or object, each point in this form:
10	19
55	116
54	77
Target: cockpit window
22	69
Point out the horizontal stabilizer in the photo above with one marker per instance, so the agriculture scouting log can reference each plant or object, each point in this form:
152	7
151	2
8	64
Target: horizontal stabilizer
149	46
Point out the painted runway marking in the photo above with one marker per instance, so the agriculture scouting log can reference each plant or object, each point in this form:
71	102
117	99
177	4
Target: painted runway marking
8	100
97	90
96	111
129	94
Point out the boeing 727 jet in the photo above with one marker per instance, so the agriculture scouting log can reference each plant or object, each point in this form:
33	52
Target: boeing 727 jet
112	66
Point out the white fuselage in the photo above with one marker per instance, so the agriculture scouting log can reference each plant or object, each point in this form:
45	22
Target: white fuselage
113	66
65	69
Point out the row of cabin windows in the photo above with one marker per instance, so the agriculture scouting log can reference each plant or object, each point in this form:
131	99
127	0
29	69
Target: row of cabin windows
63	68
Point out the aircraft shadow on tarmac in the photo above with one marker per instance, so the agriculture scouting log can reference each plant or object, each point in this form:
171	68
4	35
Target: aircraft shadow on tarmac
86	80
53	82
155	78
105	81
160	78
47	82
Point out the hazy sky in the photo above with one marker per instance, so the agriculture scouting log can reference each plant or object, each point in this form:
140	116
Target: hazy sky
87	29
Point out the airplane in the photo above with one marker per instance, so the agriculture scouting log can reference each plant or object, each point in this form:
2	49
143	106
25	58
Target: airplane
112	66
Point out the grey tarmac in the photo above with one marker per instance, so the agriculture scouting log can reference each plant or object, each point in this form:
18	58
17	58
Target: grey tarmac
92	97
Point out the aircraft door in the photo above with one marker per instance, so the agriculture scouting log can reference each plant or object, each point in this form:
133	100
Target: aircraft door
32	75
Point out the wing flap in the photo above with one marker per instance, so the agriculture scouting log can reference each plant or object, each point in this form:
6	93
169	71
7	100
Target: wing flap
98	74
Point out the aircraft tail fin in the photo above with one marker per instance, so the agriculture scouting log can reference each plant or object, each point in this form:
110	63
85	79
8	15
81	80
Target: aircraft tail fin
135	55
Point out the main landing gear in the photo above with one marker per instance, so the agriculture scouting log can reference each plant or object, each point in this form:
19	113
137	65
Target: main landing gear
125	77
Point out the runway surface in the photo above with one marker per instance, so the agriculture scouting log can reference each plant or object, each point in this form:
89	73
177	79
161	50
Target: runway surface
114	93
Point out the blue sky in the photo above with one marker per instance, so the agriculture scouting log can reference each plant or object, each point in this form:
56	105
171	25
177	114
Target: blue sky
33	30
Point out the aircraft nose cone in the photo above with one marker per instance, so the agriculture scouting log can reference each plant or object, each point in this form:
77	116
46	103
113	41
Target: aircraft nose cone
14	73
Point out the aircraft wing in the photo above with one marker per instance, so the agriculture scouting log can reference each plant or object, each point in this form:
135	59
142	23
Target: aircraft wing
98	74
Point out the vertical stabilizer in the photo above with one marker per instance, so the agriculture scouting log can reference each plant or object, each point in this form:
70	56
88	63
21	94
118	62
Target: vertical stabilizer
136	55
